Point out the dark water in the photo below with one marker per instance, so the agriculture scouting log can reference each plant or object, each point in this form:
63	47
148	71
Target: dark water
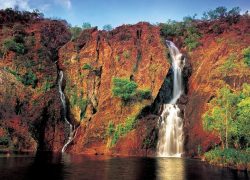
48	166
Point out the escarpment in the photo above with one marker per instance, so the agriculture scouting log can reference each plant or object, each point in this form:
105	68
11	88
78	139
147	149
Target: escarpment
91	63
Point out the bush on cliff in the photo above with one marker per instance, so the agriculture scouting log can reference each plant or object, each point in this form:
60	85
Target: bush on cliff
246	54
121	129
124	88
11	45
127	90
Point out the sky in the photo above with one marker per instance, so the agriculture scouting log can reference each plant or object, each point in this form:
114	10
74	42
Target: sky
118	12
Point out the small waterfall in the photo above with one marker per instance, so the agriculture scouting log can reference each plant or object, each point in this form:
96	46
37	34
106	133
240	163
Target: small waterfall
170	142
72	130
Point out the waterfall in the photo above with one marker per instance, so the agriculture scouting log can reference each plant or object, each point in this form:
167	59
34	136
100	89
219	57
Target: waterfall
71	129
170	139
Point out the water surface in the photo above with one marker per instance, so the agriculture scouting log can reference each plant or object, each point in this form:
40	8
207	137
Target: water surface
48	166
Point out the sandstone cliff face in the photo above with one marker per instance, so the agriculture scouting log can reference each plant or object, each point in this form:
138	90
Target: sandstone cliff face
30	107
216	63
135	52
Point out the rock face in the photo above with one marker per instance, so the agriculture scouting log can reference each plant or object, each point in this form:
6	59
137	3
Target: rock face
216	63
135	52
30	107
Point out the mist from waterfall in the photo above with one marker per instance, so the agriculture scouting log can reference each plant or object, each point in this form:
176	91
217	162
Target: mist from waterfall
170	138
62	97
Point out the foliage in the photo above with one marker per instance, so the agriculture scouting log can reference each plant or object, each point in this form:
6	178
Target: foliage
123	88
87	67
29	78
144	94
228	157
172	28
47	86
86	25
107	27
228	115
126	54
220	13
121	129
246	54
75	32
11	45
111	128
4	140
229	64
186	28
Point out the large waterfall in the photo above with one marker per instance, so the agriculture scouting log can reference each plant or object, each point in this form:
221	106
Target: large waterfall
62	97
170	139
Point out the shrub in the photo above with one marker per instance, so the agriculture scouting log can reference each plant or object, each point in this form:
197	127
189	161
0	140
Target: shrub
121	129
172	28
47	86
29	78
111	129
11	45
4	140
144	94
123	88
87	67
107	27
126	54
227	156
86	25
75	32
83	103
246	54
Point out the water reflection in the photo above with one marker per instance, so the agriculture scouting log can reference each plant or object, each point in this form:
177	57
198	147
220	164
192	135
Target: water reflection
51	166
170	168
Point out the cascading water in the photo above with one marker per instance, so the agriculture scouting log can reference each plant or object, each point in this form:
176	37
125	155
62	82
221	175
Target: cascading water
72	131
170	141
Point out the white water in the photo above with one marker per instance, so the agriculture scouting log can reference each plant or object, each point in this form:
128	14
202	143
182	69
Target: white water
62	97
170	139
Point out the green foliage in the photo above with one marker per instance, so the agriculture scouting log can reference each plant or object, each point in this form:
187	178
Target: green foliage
47	86
228	157
121	129
107	27
83	103
29	78
87	67
78	100
4	140
229	64
229	116
111	129
117	58
246	54
123	88
221	12
86	25
75	32
192	37
11	45
172	28
126	54
144	94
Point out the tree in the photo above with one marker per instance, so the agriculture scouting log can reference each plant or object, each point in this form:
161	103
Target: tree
86	25
75	32
221	114
107	27
124	88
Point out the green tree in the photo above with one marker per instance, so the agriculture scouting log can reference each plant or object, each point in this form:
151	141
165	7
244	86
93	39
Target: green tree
107	27
221	114
75	32
86	25
124	88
